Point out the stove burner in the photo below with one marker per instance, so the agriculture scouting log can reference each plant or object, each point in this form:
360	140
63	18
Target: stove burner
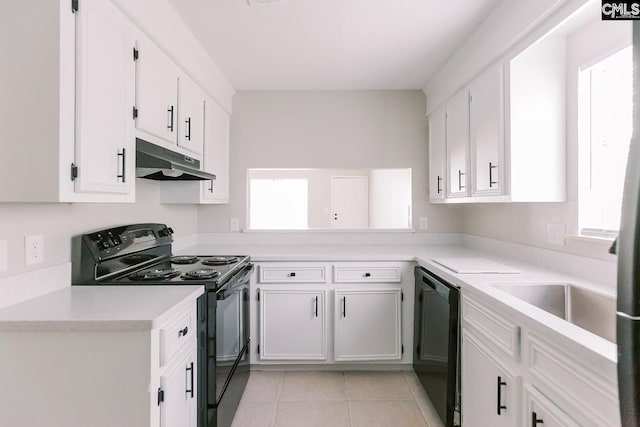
155	274
201	273
220	260
184	259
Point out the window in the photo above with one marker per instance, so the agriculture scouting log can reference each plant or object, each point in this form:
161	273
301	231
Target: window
278	204
604	120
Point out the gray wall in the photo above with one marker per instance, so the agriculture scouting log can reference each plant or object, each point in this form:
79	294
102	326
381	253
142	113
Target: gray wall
364	129
58	222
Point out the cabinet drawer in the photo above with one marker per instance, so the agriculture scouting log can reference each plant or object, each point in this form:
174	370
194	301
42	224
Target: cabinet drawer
292	274
180	330
364	274
501	332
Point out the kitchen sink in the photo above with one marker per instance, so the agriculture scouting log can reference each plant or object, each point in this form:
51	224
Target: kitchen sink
583	307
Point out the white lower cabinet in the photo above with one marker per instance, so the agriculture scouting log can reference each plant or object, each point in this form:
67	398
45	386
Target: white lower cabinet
491	391
367	324
514	375
293	324
137	368
541	411
305	314
178	391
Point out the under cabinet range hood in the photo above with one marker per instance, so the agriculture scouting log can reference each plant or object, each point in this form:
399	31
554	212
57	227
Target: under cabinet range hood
161	164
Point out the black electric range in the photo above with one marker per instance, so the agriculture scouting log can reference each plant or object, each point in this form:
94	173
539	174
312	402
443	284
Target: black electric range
141	254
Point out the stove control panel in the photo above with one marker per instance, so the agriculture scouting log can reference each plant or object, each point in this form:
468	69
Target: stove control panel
122	240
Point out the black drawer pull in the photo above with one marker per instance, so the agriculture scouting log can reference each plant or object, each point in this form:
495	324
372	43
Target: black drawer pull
367	274
491	168
535	420
190	390
183	332
316	308
500	405
439	181
170	125
292	274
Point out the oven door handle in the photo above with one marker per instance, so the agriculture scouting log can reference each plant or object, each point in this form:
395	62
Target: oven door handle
235	282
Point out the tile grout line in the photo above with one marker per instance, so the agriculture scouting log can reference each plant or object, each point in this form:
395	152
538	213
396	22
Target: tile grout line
415	398
275	408
346	397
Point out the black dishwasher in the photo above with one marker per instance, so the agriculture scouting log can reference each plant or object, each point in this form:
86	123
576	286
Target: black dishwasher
436	341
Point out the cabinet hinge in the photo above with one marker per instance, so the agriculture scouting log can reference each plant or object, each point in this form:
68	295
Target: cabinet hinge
74	171
135	112
160	396
135	54
258	349
74	6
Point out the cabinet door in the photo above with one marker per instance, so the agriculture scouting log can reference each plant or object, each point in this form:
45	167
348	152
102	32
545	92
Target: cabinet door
367	324
541	411
105	71
292	325
486	131
437	154
457	137
491	394
178	384
156	94
216	152
191	116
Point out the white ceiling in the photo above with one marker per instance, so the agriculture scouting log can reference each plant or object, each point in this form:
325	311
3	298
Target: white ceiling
331	44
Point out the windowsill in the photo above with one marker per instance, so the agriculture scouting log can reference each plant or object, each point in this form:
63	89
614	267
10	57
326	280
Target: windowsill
591	239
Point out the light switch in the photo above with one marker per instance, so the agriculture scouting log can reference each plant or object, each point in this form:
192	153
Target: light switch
424	223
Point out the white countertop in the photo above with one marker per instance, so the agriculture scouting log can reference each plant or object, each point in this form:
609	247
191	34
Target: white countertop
98	308
423	255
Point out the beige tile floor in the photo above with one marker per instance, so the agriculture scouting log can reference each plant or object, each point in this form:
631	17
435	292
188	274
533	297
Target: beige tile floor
334	399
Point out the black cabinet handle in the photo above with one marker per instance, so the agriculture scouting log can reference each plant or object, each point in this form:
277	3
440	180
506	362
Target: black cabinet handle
190	370
460	175
170	111
439	181
500	405
344	306
367	274
124	163
292	274
183	332
316	309
188	123
535	420
491	168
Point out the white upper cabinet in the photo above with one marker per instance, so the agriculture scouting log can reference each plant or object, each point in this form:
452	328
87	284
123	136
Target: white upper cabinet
457	137
216	152
104	148
486	131
437	154
215	160
190	116
156	95
68	92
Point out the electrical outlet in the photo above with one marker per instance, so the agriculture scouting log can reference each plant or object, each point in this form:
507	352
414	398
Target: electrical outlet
424	223
234	224
4	253
33	250
556	234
